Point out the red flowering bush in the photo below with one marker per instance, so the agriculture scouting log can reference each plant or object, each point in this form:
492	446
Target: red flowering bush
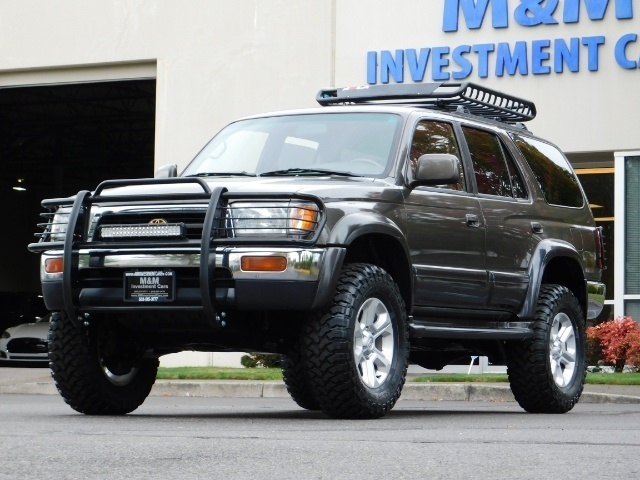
616	342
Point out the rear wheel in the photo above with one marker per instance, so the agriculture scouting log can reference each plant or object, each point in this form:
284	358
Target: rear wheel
547	373
356	351
99	370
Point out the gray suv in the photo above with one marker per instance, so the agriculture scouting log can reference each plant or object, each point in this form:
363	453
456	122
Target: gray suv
393	224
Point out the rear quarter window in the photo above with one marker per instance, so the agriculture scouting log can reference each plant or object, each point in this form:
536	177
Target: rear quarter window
552	171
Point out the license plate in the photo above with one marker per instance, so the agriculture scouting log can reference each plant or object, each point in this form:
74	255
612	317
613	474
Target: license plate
149	287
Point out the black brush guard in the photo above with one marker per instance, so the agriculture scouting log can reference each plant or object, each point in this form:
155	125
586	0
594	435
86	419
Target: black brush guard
77	232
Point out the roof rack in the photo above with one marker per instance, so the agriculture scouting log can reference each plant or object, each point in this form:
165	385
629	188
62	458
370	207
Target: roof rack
478	100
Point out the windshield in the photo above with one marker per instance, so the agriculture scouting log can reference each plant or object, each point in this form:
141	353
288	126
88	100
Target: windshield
321	144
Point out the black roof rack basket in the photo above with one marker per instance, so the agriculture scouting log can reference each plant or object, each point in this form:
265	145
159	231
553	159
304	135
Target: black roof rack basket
476	99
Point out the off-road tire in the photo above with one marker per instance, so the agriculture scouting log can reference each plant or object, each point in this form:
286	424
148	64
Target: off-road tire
529	363
294	375
328	344
80	378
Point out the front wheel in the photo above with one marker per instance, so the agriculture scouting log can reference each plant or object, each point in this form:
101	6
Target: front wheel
356	351
547	373
100	369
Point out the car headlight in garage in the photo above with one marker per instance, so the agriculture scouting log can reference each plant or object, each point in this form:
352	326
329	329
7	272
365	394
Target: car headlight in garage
59	226
273	219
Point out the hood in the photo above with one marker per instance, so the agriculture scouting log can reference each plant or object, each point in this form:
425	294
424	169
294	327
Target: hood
325	187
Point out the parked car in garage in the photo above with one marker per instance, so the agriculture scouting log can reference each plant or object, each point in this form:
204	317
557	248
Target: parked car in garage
25	345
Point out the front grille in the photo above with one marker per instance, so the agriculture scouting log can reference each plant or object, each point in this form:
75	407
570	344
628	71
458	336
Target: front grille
27	345
107	277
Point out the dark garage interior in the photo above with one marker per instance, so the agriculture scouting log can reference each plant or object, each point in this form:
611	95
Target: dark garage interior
54	141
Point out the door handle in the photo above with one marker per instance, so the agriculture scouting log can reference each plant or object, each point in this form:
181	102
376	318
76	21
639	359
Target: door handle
536	227
472	221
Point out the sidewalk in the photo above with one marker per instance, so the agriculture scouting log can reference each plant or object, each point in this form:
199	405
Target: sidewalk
38	381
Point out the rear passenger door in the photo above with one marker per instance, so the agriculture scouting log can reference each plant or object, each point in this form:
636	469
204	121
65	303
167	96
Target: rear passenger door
445	228
507	208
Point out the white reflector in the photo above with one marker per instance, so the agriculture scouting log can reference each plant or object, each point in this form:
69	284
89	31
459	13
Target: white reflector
142	231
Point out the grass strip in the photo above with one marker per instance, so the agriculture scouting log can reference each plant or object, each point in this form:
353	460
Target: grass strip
218	373
227	373
592	378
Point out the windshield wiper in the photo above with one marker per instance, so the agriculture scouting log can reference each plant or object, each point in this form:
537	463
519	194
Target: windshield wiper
222	174
307	171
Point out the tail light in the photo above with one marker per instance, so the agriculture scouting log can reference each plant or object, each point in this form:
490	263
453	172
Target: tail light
600	258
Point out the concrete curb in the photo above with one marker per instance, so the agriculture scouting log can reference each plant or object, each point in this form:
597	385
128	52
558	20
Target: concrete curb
466	392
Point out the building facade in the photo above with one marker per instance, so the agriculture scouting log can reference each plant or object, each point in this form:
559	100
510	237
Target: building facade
210	62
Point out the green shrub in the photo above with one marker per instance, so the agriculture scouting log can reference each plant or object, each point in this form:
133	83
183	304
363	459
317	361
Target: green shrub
260	360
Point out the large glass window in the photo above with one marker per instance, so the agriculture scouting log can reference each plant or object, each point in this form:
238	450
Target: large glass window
435	137
552	171
350	143
598	186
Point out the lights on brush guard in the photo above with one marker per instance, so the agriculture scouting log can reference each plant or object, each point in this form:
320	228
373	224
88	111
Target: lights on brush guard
273	219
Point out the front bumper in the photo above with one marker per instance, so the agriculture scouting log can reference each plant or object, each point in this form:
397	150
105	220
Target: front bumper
306	283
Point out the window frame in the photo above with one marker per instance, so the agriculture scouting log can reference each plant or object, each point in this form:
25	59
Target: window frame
506	152
469	184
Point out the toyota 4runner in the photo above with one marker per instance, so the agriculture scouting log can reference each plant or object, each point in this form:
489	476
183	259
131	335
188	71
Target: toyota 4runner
393	224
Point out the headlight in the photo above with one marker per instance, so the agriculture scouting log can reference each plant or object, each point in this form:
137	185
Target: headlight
290	219
59	226
6	334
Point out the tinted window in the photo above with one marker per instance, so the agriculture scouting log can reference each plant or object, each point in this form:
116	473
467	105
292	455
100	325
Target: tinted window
517	184
489	164
552	171
435	137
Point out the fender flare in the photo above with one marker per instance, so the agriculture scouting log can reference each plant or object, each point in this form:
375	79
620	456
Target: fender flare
546	251
353	226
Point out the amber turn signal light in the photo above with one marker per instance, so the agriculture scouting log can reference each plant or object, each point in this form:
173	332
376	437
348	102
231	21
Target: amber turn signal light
263	264
53	265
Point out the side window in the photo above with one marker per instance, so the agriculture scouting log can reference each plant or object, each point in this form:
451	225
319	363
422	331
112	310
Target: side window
435	137
517	184
552	171
495	172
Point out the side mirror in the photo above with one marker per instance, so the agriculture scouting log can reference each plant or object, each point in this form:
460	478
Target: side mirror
167	171
437	169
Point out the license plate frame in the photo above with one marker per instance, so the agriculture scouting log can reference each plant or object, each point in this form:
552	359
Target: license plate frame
149	286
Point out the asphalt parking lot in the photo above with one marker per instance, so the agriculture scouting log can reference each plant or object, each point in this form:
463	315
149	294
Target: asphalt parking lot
272	438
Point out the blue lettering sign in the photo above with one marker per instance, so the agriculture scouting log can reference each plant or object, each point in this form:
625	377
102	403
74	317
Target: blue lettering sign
621	48
438	62
474	12
532	12
483	49
390	65
465	65
593	44
505	60
539	55
595	9
372	68
417	64
566	54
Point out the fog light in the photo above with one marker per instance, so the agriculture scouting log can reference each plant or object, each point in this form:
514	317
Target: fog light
263	264
53	265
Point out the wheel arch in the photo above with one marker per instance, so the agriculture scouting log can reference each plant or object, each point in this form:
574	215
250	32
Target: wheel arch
555	262
375	239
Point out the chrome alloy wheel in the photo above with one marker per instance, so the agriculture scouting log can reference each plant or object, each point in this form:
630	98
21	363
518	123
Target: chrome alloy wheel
373	343
118	380
562	350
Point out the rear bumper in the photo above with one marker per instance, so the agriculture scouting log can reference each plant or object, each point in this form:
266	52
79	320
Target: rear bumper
595	299
306	283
